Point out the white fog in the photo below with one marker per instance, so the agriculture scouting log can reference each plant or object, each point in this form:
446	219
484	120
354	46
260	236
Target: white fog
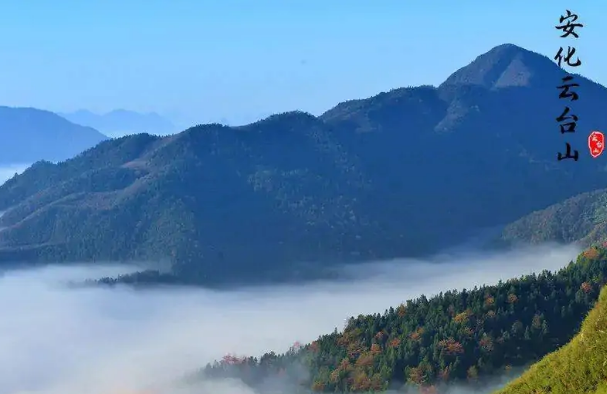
101	340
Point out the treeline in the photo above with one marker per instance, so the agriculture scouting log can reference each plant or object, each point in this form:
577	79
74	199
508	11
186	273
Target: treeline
464	336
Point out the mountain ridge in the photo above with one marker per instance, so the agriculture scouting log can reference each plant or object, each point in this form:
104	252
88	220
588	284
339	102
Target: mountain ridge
580	219
503	66
397	174
30	134
119	122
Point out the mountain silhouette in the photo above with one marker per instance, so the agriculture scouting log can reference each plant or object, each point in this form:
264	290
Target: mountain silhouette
28	135
506	66
404	173
120	122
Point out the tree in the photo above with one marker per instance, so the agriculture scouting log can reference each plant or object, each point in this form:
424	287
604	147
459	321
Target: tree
431	343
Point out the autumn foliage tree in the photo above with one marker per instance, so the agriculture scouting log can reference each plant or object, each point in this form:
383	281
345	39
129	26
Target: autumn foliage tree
463	336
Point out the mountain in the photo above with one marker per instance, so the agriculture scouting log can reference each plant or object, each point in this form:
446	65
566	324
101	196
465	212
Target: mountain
404	173
28	135
465	339
120	122
582	219
578	367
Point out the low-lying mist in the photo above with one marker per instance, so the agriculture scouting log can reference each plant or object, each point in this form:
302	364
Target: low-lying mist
58	339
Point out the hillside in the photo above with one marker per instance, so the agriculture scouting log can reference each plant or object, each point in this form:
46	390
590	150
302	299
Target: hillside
468	338
28	135
581	219
403	173
120	122
578	367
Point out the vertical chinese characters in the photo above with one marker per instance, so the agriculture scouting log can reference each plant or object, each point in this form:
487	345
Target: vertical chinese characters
567	57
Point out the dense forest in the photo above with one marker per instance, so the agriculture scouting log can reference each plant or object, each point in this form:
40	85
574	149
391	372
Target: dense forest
467	336
578	367
582	218
326	190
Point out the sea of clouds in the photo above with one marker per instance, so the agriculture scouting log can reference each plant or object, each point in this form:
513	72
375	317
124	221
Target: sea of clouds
55	338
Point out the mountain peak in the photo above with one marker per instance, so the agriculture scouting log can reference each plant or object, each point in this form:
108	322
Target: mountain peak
506	65
286	118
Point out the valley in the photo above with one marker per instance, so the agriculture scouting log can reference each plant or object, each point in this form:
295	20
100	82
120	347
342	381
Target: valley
382	208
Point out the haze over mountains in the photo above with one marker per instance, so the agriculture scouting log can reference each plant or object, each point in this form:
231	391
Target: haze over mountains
29	134
121	122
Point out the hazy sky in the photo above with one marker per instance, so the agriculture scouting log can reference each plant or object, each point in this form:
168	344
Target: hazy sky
239	59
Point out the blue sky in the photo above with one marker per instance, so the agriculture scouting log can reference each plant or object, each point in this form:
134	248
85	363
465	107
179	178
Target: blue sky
201	61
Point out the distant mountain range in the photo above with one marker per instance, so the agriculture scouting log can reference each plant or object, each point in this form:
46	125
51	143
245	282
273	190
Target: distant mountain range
29	134
121	122
403	173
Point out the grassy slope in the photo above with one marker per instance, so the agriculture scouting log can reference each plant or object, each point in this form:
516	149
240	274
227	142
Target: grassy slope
578	367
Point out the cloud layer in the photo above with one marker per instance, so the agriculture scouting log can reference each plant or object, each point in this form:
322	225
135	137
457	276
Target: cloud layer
55	339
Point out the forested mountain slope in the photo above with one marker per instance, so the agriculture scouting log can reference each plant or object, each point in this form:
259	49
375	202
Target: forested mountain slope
467	337
579	367
582	219
403	173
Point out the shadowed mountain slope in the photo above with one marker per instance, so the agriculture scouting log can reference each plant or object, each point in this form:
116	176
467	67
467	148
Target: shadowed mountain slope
403	173
582	219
